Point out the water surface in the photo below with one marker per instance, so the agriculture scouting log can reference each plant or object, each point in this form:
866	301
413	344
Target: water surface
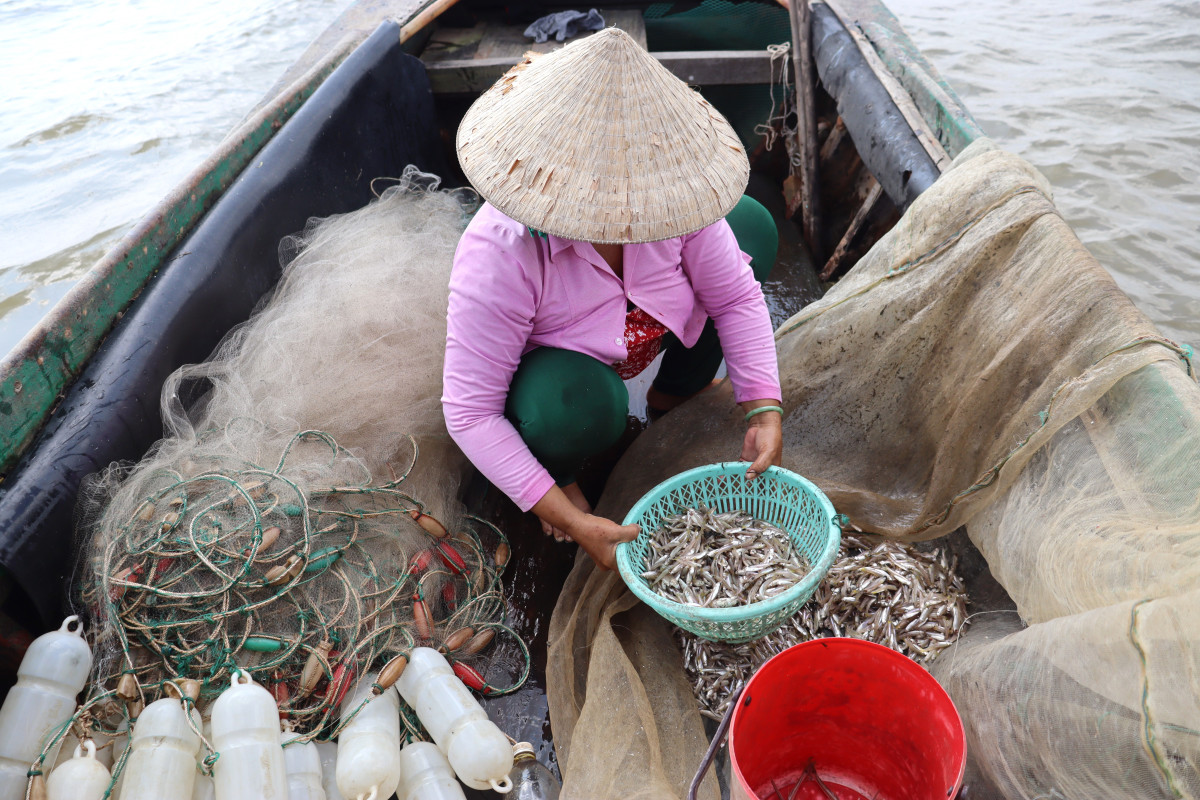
105	105
1104	98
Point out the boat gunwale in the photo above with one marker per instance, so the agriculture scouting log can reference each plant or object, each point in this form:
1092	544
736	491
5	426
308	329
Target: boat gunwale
873	24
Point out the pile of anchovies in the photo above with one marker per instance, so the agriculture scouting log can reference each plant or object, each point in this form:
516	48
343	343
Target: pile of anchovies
881	591
718	560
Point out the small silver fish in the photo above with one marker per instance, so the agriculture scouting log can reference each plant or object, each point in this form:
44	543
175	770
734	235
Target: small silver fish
720	560
878	590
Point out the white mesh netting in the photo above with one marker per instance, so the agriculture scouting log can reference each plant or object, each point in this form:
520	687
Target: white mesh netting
293	522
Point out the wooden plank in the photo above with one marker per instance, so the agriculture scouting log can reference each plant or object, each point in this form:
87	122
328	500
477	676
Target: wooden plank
800	15
852	230
509	41
427	15
453	44
466	75
502	41
833	140
699	68
718	67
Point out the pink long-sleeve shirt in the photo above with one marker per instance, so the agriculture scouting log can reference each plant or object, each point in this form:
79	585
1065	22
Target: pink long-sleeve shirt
511	292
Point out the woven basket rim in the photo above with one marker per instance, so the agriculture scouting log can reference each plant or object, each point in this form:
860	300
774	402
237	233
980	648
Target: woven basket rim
736	614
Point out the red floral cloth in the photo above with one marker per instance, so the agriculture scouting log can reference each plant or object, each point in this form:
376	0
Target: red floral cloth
643	338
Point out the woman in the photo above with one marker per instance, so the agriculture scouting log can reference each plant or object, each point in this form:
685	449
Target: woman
602	241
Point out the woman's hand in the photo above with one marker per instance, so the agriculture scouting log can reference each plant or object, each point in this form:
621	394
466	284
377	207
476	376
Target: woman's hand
575	495
763	444
598	536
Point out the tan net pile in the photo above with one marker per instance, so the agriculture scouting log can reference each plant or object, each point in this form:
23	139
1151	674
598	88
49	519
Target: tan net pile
1098	542
301	520
976	368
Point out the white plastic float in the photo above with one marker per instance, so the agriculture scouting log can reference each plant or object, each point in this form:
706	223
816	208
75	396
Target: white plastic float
425	774
103	754
81	777
477	750
368	755
328	751
245	732
50	677
203	788
162	755
302	762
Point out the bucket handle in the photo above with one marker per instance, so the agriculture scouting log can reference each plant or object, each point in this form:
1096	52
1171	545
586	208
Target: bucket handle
717	740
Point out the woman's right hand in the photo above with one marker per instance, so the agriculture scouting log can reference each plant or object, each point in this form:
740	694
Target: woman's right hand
599	538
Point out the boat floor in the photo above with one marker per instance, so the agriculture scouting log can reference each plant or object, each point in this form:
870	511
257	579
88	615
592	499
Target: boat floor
540	567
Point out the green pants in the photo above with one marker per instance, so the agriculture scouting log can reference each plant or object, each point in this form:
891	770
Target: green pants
568	406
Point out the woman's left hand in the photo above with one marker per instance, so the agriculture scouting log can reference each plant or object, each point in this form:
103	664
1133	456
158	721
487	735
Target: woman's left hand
763	444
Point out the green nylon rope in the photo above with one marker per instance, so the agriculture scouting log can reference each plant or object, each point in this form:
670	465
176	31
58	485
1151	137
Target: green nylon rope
153	560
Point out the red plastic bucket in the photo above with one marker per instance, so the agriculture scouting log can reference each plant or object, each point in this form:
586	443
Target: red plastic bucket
872	724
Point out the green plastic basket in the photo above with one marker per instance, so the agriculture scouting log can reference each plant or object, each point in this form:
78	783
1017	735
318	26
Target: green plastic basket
777	496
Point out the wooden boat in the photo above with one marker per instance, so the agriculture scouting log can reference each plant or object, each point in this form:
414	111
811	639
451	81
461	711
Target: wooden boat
384	88
81	390
381	89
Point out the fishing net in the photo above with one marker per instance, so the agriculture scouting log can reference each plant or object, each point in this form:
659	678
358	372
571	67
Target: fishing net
1098	542
300	519
976	368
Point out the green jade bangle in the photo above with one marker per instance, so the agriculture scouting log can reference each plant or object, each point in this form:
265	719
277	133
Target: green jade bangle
760	410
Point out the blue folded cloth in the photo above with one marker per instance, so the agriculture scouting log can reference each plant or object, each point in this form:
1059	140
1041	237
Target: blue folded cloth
564	24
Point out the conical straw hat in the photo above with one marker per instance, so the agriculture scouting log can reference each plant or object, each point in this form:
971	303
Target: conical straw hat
598	142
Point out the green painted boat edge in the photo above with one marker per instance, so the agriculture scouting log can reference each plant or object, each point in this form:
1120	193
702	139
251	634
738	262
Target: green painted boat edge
940	106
